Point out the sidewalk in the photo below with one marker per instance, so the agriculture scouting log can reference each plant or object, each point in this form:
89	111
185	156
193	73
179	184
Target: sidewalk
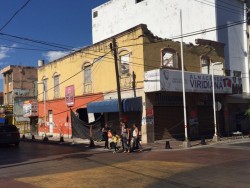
160	145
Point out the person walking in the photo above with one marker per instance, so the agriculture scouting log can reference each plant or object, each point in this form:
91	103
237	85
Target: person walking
105	130
125	136
136	138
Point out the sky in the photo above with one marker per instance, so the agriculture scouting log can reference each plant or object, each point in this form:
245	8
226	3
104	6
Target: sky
66	23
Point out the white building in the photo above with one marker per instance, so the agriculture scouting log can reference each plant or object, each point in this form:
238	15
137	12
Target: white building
218	20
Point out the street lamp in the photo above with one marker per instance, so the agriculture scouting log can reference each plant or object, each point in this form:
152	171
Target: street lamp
216	138
44	112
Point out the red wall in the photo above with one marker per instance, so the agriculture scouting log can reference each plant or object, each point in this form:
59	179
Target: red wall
60	112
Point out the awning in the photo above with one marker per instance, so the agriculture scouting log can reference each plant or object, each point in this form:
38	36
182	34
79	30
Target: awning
103	106
132	104
128	105
245	96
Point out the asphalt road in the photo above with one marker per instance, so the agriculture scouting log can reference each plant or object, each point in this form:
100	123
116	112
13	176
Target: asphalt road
45	165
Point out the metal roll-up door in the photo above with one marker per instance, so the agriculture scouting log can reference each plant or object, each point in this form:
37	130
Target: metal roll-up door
168	122
206	120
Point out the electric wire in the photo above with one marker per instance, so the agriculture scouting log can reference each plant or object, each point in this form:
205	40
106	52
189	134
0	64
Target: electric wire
29	49
230	4
12	17
222	7
19	42
100	57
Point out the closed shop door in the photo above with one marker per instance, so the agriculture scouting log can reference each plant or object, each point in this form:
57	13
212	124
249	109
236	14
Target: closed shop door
168	122
206	120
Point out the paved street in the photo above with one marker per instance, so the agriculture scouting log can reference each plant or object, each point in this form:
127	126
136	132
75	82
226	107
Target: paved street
46	165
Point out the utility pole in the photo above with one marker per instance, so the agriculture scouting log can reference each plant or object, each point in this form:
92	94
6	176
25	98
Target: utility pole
186	142
113	47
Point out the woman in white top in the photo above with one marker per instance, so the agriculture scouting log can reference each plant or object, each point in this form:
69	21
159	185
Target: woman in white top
136	141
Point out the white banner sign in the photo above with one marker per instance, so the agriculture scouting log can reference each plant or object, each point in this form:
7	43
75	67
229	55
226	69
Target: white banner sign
30	108
171	80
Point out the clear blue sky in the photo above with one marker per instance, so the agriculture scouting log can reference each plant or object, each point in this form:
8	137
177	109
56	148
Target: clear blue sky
66	22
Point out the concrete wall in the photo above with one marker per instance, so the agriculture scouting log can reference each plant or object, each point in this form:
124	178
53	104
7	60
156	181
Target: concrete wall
161	16
23	80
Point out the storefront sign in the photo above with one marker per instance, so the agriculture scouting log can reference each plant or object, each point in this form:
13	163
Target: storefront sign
30	108
171	80
70	95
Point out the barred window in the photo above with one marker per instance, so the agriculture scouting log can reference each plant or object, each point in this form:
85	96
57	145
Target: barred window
56	86
87	74
87	81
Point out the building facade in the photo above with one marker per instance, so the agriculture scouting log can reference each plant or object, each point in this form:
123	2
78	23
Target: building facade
90	71
215	20
19	86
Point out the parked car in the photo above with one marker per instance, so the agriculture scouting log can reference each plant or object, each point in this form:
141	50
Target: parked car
9	134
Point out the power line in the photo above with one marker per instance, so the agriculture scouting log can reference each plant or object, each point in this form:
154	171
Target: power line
222	7
192	33
185	35
12	17
18	42
30	49
230	4
61	46
96	60
64	47
211	29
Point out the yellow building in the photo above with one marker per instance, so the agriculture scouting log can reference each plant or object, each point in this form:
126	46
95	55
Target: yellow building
90	71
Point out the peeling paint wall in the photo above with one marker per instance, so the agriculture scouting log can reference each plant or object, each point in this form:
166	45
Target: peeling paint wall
161	16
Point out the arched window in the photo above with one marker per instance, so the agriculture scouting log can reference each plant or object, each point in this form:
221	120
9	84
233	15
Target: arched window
169	58
56	77
87	79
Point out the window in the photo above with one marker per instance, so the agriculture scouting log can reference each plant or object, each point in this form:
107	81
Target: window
169	58
10	77
10	98
205	65
87	74
56	87
228	72
95	14
124	63
237	73
5	98
87	81
138	1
